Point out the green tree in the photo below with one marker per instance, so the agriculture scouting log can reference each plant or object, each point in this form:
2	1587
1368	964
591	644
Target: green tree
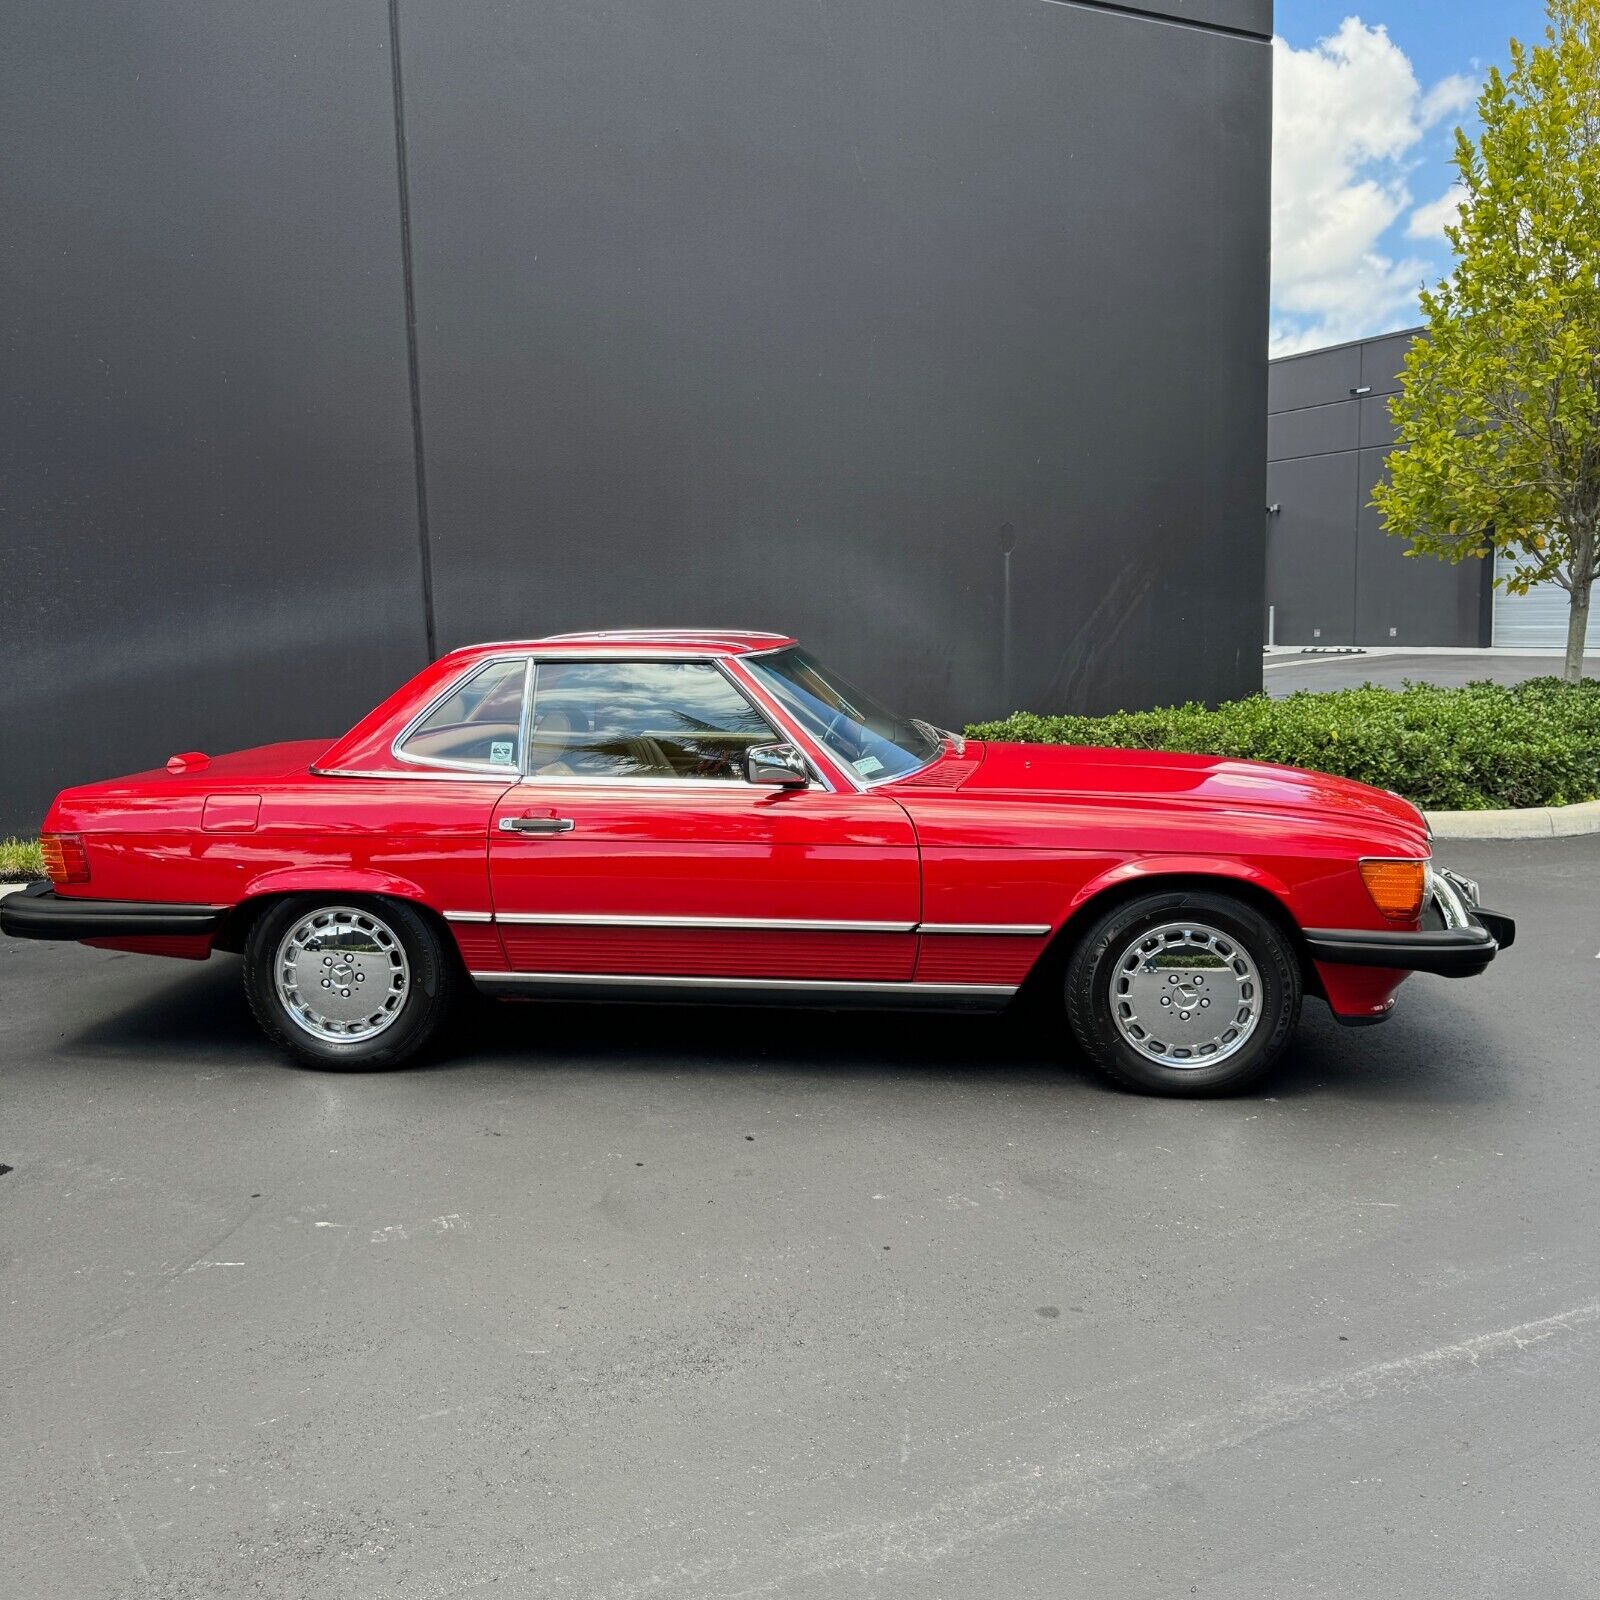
1498	415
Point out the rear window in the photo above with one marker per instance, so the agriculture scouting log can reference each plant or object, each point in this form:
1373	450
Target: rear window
478	724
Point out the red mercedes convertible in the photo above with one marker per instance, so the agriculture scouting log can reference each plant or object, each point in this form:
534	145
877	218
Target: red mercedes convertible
699	816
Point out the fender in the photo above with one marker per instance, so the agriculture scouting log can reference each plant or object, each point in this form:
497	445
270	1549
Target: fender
1151	869
357	880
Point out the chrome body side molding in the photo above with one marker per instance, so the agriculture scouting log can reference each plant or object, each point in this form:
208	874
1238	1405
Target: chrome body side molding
994	990
586	919
742	991
581	919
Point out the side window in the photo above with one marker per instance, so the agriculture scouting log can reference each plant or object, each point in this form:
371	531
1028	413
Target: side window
640	719
479	724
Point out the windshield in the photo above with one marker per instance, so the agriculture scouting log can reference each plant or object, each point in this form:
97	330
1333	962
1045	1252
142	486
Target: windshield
874	743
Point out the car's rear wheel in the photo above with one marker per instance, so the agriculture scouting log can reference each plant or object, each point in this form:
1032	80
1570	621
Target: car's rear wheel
348	982
1185	992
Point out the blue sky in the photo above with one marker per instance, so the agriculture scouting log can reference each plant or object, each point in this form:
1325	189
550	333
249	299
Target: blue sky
1366	102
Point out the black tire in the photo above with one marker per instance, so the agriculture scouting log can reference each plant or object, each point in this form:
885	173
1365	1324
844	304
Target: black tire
1105	945
431	984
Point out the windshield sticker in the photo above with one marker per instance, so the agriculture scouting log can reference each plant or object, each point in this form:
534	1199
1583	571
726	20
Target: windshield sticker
500	752
867	765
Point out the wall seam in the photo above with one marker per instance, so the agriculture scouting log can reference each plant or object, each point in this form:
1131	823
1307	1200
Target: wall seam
1318	455
1168	21
1355	539
1322	405
413	369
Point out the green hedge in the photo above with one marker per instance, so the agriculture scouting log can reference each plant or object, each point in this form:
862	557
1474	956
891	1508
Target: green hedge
20	859
1463	749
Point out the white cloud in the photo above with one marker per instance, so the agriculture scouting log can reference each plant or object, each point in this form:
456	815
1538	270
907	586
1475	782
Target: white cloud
1347	112
1429	221
1449	97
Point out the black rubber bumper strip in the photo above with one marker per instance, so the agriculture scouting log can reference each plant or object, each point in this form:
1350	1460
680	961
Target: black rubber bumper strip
38	912
1448	952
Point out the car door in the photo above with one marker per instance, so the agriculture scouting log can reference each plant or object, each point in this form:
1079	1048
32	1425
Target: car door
635	847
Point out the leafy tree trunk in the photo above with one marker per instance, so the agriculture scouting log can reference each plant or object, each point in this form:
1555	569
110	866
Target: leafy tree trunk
1578	616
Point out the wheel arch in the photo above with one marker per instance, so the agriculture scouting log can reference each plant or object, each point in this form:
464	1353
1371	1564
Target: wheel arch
270	888
1130	879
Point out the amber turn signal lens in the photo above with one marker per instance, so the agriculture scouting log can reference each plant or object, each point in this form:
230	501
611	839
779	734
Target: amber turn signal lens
65	859
1396	887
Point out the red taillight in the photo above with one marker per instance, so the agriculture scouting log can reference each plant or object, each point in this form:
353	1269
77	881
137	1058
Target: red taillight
65	859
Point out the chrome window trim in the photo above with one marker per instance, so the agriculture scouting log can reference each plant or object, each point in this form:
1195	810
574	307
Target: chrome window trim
504	776
764	704
548	651
775	711
473	670
818	985
726	638
852	777
697	785
1031	929
525	726
584	919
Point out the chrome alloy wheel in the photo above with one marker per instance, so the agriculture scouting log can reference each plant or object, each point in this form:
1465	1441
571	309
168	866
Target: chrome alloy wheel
341	974
1185	994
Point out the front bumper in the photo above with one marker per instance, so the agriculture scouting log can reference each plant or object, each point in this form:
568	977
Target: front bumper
1458	938
38	912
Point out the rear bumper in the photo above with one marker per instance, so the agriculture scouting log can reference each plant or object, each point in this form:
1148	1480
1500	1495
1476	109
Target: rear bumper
1458	940
38	912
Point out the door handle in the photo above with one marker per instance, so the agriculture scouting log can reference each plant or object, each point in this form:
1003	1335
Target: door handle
536	824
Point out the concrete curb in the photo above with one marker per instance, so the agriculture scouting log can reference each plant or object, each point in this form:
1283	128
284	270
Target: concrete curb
10	888
1536	822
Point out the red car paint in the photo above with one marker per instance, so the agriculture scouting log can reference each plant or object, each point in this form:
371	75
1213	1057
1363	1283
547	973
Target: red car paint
969	867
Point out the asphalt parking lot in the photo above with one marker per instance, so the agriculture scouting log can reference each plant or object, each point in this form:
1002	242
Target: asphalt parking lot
616	1302
1284	674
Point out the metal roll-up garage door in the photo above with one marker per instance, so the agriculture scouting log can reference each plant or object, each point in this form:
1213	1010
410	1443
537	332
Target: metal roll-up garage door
1537	620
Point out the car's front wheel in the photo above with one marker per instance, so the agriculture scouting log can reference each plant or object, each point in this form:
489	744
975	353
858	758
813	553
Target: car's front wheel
347	982
1184	992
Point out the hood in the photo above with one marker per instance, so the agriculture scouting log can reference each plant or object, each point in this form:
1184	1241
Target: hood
1091	773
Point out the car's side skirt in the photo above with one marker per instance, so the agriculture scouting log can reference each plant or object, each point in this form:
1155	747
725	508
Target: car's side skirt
743	991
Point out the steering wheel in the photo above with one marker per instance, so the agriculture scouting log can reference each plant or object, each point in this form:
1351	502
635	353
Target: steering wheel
828	733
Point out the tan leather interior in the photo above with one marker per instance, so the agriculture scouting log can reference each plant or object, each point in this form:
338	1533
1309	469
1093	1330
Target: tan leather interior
552	735
465	741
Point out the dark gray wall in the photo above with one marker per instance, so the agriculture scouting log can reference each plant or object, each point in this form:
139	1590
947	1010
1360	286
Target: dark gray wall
726	313
207	508
1334	577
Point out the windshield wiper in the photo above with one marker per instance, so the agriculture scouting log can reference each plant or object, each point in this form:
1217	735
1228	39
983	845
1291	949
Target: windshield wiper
939	735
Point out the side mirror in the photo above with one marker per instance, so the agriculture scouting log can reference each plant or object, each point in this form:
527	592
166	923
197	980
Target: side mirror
776	766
